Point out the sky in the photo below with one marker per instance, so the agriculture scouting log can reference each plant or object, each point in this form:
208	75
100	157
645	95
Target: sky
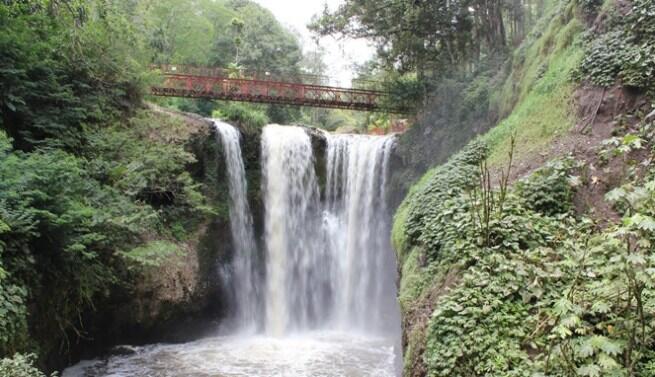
341	54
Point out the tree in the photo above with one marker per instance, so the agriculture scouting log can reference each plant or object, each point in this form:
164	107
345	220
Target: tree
431	37
237	29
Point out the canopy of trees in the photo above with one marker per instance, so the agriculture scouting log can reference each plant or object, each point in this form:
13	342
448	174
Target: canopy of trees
87	188
433	36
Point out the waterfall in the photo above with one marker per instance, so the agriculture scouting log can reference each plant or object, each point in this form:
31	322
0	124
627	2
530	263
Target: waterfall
357	169
329	263
326	297
291	196
245	282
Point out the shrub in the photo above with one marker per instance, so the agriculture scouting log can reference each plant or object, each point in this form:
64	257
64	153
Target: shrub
20	366
548	190
625	52
248	116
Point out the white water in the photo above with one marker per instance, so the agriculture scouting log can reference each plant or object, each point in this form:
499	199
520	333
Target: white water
244	277
294	272
309	355
328	298
359	228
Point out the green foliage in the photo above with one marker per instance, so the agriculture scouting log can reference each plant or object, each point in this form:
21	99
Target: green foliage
603	319
57	79
146	161
250	117
550	295
548	190
437	221
477	330
152	254
175	33
21	366
63	226
89	174
265	45
67	219
479	326
13	315
406	91
625	52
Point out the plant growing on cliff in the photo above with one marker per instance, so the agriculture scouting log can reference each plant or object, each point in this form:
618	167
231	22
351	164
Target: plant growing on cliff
487	205
549	295
21	366
603	323
626	51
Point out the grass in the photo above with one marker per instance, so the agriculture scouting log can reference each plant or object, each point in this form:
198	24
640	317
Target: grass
537	95
543	87
412	280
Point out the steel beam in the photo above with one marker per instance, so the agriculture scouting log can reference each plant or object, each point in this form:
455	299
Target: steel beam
215	83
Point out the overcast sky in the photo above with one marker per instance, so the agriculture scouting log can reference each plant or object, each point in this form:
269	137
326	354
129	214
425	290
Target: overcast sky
296	14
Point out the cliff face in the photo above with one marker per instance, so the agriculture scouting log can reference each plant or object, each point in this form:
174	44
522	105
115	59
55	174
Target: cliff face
445	125
182	296
186	295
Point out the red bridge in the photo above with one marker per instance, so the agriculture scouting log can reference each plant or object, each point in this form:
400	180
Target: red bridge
264	87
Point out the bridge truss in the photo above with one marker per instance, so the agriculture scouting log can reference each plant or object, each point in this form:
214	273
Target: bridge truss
245	86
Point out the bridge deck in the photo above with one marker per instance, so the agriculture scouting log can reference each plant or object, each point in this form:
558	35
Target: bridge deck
302	90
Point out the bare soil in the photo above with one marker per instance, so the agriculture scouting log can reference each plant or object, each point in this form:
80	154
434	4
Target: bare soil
601	112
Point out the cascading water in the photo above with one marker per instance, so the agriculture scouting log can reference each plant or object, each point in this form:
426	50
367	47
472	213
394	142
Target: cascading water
358	218
245	282
327	299
329	265
293	273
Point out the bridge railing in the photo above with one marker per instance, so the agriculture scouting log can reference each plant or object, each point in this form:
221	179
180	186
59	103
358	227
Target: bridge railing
260	75
241	73
253	86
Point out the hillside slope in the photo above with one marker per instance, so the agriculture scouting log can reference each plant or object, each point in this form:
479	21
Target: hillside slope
530	251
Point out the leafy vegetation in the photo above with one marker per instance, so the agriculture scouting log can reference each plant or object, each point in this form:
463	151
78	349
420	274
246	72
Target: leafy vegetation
625	50
249	117
547	294
20	366
524	285
94	187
